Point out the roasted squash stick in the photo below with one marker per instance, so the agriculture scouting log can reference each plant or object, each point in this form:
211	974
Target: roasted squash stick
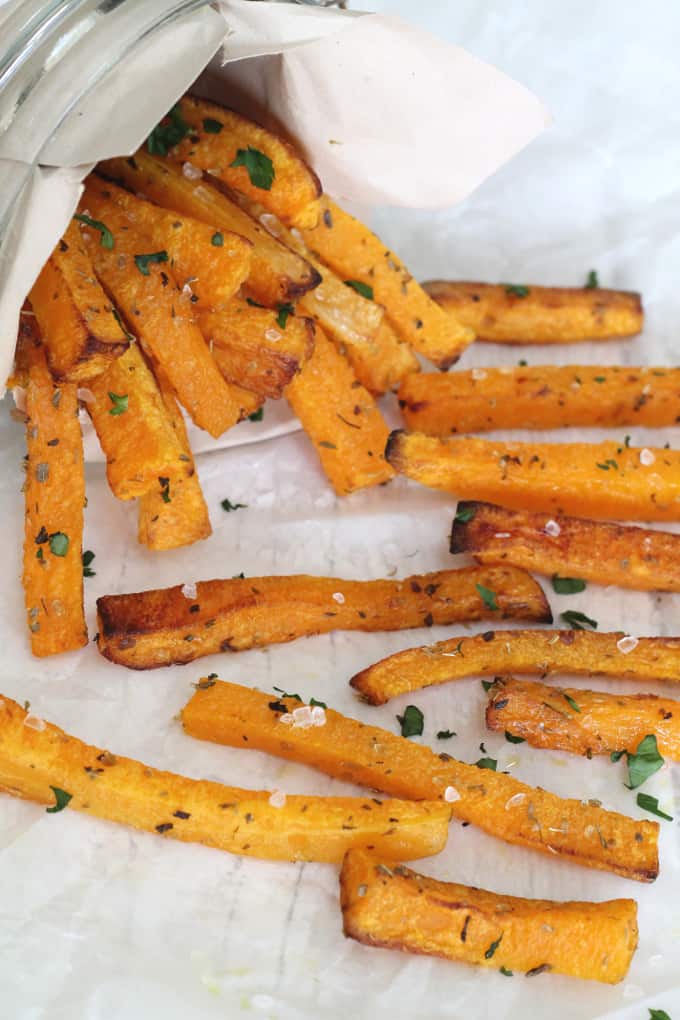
157	628
544	716
277	275
358	256
597	551
511	314
54	493
540	397
538	652
354	752
598	480
39	761
386	904
77	321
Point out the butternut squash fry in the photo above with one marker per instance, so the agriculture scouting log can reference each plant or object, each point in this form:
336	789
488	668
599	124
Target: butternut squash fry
544	717
598	480
145	291
354	253
156	628
54	493
174	513
386	904
81	334
140	443
544	315
35	763
354	752
540	397
341	419
219	135
597	551
277	275
212	263
253	349
538	652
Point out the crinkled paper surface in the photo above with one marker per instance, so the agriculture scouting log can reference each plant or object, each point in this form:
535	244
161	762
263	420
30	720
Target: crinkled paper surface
101	923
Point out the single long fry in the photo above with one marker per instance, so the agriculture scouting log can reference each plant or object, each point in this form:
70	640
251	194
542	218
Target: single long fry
140	444
597	551
354	253
144	289
598	480
35	762
218	136
156	628
341	419
356	753
81	334
540	397
382	363
277	275
386	904
544	716
212	263
54	493
174	513
504	314
537	652
253	349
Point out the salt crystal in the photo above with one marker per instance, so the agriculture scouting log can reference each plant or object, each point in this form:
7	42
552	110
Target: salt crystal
277	798
627	644
478	373
191	172
19	394
87	396
286	719
552	528
502	534
272	334
33	722
514	801
189	590
451	794
339	597
302	717
646	457
318	716
186	290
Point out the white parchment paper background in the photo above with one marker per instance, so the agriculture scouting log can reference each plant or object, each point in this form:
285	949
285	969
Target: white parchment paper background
101	923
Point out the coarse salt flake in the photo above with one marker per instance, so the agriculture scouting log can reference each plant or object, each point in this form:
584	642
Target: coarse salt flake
277	798
286	719
302	716
552	528
515	801
34	722
189	590
87	396
646	457
627	644
451	794
272	335
339	597
502	534
19	394
478	373
191	172
318	716
186	290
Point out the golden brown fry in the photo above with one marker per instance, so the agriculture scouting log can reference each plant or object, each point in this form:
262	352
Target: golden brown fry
54	493
174	513
538	652
217	138
382	363
386	904
598	480
597	551
495	802
156	628
356	254
540	397
212	263
277	275
253	349
544	716
37	762
81	334
545	315
341	419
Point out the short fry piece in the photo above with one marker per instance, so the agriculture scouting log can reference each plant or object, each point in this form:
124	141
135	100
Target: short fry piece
598	480
537	652
386	904
33	762
162	317
597	551
173	513
140	444
217	135
540	397
544	717
277	275
54	493
505	314
354	253
341	419
156	628
212	263
354	752
253	349
81	335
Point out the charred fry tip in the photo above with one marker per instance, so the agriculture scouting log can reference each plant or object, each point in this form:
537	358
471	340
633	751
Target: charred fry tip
392	448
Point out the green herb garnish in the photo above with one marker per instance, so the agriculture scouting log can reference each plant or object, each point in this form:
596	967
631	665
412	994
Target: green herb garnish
616	756
644	763
61	798
144	261
487	596
284	694
512	739
256	415
651	804
487	763
120	404
658	1014
411	722
493	947
165	488
260	167
572	704
361	288
445	734
517	289
59	543
105	238
283	314
592	281
505	972
578	621
171	130
217	240
567	585
228	506
88	556
212	126
464	513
